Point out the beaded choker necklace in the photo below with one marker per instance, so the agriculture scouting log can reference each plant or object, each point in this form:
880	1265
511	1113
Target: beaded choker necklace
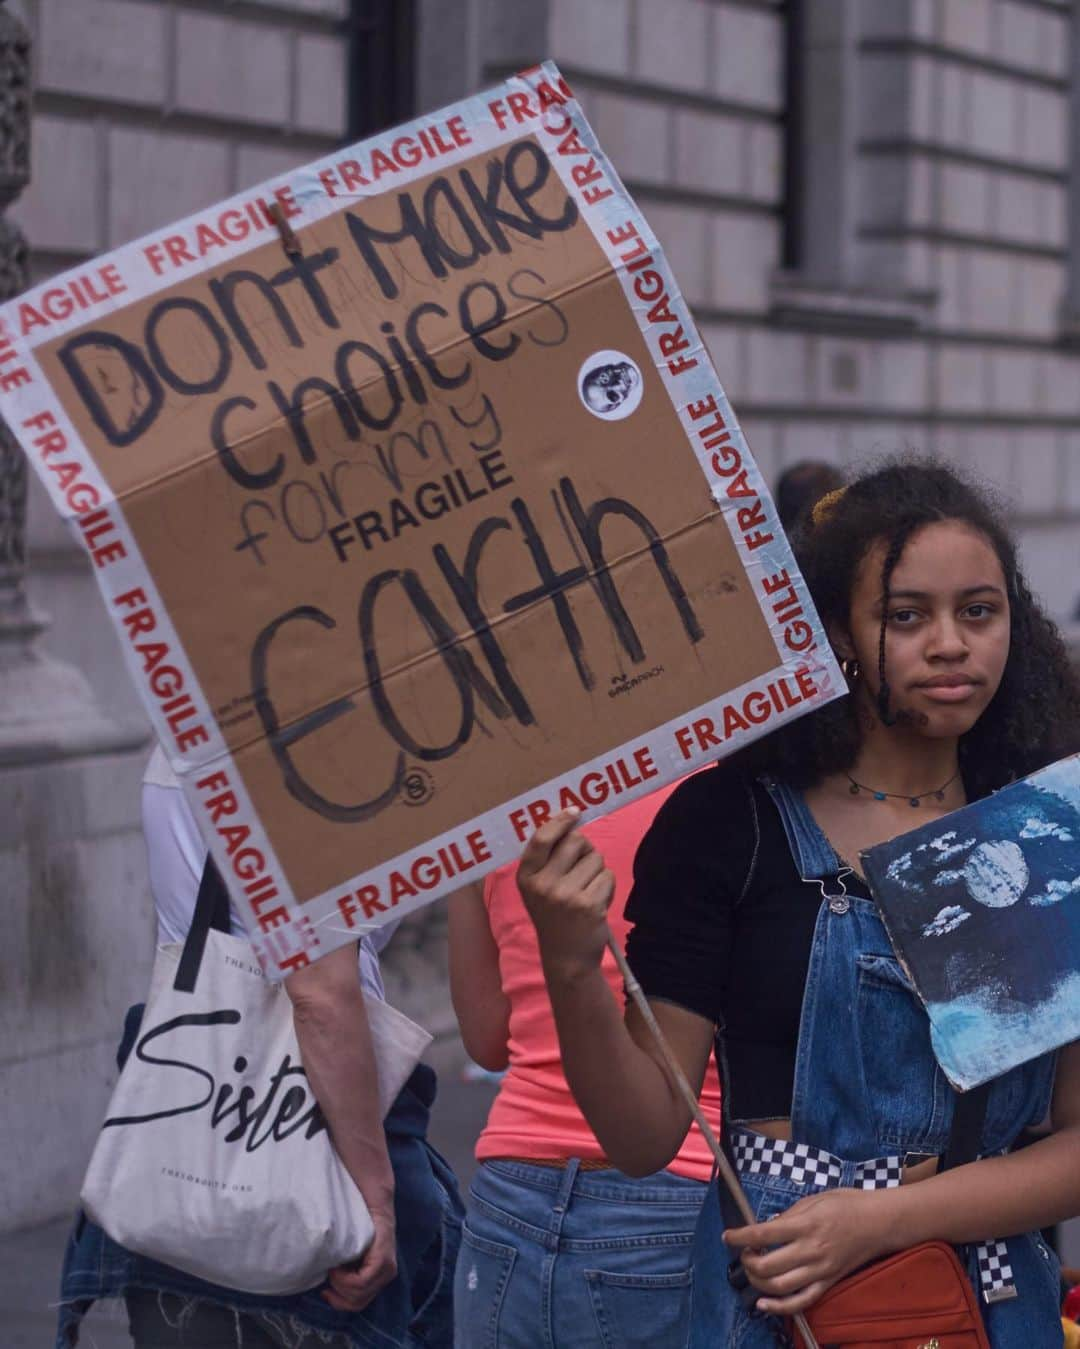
938	793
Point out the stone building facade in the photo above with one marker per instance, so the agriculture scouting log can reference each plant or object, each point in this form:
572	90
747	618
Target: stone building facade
868	203
872	205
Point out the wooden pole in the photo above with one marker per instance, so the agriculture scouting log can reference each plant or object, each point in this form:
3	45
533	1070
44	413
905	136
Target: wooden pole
727	1173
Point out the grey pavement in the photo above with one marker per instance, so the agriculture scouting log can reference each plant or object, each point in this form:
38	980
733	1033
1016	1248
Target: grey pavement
30	1260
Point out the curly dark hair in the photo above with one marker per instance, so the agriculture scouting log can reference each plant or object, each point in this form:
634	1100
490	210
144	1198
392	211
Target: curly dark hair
1033	719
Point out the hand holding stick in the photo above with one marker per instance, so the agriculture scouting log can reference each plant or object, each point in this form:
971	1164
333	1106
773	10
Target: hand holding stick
567	889
727	1173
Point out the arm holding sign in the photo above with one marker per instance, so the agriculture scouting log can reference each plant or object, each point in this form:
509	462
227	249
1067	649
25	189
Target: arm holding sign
335	1046
614	1068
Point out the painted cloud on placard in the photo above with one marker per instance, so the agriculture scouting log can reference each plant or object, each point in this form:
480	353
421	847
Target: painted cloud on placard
945	920
1041	828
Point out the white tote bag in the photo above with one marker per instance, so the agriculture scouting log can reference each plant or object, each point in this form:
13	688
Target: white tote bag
214	1157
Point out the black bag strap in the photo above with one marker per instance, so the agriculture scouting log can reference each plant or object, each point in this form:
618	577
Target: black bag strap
751	870
211	911
965	1136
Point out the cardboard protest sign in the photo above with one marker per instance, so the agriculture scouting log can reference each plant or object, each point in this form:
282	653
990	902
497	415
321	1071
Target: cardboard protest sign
983	908
417	519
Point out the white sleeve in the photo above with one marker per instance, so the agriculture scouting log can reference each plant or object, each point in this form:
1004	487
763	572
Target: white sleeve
176	855
175	851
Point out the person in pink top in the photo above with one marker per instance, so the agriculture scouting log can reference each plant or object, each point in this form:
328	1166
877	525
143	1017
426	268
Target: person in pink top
559	1248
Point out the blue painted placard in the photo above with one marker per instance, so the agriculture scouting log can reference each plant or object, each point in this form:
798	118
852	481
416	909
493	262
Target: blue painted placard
983	910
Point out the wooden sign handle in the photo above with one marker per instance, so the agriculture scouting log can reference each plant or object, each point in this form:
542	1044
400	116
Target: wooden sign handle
727	1173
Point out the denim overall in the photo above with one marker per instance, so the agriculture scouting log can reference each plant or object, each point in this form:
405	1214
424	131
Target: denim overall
867	1086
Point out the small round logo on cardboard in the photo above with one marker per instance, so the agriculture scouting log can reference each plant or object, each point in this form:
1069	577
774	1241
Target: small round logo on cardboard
417	786
610	385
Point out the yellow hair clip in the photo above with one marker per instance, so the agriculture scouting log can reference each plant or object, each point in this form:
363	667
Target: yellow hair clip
825	508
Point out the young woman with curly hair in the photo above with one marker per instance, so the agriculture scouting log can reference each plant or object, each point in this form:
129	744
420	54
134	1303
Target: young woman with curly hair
750	916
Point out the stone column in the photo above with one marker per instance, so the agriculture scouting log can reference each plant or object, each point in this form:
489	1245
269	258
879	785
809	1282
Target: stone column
16	624
47	710
77	928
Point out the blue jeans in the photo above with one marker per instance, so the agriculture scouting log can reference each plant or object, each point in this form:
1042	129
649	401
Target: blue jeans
560	1258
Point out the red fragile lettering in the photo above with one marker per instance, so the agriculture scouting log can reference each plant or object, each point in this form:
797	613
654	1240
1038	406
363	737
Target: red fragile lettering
12	372
433	141
595	787
521	107
101	538
530	817
361	904
244	858
589	176
787	609
423	874
727	463
50	445
755	709
232	225
164	680
431	869
751	522
650	287
83	291
715	435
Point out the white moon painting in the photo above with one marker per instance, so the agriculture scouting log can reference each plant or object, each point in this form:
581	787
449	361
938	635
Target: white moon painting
996	874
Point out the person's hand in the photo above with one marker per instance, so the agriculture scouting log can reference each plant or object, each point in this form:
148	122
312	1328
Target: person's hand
352	1286
567	889
794	1258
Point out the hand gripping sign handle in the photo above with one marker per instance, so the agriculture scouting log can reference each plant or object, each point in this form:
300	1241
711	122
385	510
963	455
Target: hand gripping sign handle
727	1174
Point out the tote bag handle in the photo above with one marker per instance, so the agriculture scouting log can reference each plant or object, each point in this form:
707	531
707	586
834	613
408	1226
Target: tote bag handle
211	911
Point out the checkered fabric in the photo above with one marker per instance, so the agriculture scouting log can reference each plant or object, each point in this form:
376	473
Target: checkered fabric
756	1155
883	1173
995	1272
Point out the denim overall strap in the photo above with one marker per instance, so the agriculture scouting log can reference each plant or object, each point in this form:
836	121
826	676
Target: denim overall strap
866	1083
867	1086
811	850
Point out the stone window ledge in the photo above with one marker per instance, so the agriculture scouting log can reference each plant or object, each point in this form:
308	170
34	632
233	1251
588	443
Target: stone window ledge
801	302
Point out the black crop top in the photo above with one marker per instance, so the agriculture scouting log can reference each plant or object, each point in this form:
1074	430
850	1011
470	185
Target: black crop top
739	960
